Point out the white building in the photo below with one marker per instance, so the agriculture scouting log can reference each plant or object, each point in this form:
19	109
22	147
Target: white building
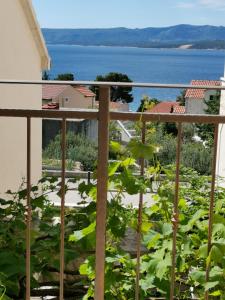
23	56
195	98
67	96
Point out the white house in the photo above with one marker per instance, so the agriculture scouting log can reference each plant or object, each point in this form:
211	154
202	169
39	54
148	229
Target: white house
194	98
67	96
23	55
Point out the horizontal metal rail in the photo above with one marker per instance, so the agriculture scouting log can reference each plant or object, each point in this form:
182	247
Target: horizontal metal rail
108	84
131	116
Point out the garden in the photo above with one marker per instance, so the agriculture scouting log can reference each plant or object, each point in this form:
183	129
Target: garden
192	257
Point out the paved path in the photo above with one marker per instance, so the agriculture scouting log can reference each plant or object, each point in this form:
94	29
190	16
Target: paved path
73	198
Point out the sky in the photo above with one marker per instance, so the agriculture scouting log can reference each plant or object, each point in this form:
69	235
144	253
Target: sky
128	13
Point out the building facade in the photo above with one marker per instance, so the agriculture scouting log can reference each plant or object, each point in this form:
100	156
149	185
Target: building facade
195	98
23	56
67	96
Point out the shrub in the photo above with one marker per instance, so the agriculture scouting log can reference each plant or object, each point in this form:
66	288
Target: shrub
78	148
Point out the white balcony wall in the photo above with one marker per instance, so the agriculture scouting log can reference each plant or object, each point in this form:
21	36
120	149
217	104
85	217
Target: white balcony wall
19	59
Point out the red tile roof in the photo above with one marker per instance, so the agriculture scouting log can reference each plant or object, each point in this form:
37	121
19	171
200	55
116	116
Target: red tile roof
164	107
119	106
85	91
51	105
116	105
49	92
178	109
200	93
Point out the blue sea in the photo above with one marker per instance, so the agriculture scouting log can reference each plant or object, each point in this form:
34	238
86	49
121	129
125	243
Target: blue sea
141	65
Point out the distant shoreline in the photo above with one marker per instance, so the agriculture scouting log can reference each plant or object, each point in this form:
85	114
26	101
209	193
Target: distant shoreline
182	36
182	47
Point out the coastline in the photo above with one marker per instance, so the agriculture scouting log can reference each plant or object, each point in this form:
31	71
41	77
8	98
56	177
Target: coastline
181	47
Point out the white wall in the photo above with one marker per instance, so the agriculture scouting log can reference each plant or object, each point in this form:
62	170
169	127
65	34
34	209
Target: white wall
75	99
197	106
194	106
221	138
19	59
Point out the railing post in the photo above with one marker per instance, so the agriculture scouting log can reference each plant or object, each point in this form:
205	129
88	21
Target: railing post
175	216
102	180
28	209
211	205
62	212
140	209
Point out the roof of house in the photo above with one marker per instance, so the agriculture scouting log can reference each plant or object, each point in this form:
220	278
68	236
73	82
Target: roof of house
84	91
119	106
165	108
52	91
51	105
178	109
200	93
36	31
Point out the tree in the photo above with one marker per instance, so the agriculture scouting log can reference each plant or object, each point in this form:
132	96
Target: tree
147	103
118	93
181	98
45	76
65	77
206	131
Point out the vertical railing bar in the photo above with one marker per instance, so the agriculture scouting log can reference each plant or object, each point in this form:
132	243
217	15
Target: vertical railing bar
211	206
102	181
140	208
28	209
62	211
175	217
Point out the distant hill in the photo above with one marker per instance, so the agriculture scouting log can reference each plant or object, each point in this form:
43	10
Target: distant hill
201	37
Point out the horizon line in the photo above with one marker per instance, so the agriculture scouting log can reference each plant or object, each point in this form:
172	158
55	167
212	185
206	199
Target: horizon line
133	28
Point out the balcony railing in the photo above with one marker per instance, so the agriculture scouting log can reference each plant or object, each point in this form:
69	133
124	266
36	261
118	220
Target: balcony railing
104	116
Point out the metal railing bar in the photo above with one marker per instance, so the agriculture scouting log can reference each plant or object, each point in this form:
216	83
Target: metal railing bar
28	210
140	208
62	211
102	182
129	116
68	114
108	84
176	118
211	206
175	216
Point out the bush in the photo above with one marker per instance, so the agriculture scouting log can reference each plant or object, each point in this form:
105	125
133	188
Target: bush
79	148
198	157
194	154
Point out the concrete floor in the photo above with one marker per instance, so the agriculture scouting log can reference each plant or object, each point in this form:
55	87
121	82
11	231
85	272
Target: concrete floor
73	198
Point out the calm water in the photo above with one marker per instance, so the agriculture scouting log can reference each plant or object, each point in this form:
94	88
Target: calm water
141	65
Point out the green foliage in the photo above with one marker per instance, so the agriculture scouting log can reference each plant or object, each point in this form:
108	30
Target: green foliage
147	103
65	77
79	148
192	256
157	231
197	156
45	238
206	131
114	131
181	98
194	154
123	94
45	76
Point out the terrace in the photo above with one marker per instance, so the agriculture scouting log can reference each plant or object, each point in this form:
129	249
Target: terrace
104	116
